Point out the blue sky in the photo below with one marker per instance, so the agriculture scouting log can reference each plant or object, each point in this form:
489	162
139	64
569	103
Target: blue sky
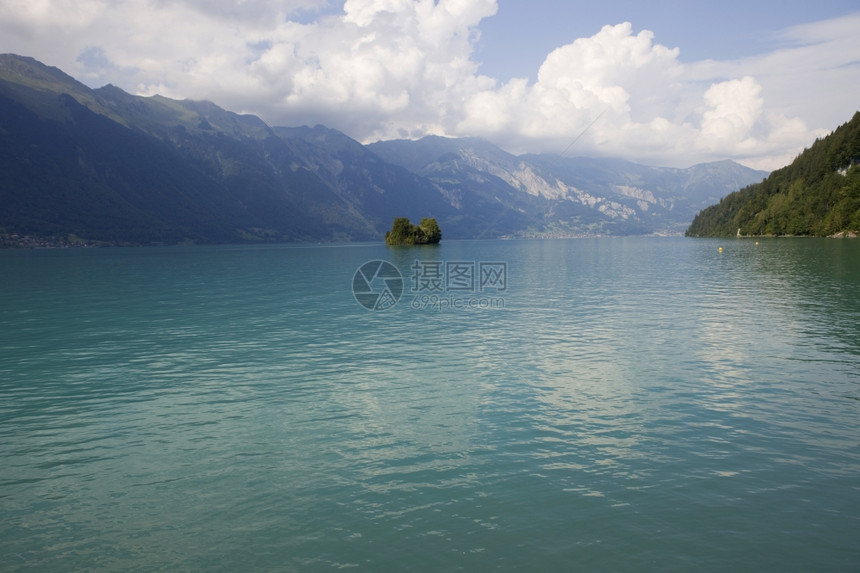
515	41
669	82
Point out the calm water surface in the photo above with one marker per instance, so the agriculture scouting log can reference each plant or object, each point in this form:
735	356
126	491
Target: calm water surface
636	405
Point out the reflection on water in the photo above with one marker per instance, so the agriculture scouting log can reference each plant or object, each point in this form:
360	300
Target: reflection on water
637	401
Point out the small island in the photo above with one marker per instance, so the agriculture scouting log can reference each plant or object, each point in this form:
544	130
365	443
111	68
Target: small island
403	232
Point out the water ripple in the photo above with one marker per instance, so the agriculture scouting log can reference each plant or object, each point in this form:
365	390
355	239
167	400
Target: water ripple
637	404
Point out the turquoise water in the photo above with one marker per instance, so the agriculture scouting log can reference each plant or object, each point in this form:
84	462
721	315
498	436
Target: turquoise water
623	404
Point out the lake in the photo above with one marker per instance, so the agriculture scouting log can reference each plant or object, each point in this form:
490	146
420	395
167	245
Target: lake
623	404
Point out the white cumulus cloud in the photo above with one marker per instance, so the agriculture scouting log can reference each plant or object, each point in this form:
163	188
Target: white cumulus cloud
733	109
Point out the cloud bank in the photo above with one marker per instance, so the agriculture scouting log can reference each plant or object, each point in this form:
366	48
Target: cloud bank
383	69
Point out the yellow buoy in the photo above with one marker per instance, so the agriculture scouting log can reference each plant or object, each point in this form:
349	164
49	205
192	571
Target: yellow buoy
721	249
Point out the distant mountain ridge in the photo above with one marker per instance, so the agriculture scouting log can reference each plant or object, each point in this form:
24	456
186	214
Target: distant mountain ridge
818	194
570	195
106	165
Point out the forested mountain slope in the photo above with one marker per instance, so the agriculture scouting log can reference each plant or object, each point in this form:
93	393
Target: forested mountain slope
818	194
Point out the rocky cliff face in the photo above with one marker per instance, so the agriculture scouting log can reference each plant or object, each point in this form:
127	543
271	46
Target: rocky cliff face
572	196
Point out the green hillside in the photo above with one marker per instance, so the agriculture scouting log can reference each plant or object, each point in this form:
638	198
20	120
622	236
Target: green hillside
817	195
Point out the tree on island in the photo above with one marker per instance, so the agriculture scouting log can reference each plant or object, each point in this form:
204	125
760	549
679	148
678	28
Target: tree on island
403	232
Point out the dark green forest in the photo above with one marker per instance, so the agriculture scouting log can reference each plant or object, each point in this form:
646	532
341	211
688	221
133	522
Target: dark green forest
818	194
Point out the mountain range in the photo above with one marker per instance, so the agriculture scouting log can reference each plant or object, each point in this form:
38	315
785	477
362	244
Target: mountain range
104	165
